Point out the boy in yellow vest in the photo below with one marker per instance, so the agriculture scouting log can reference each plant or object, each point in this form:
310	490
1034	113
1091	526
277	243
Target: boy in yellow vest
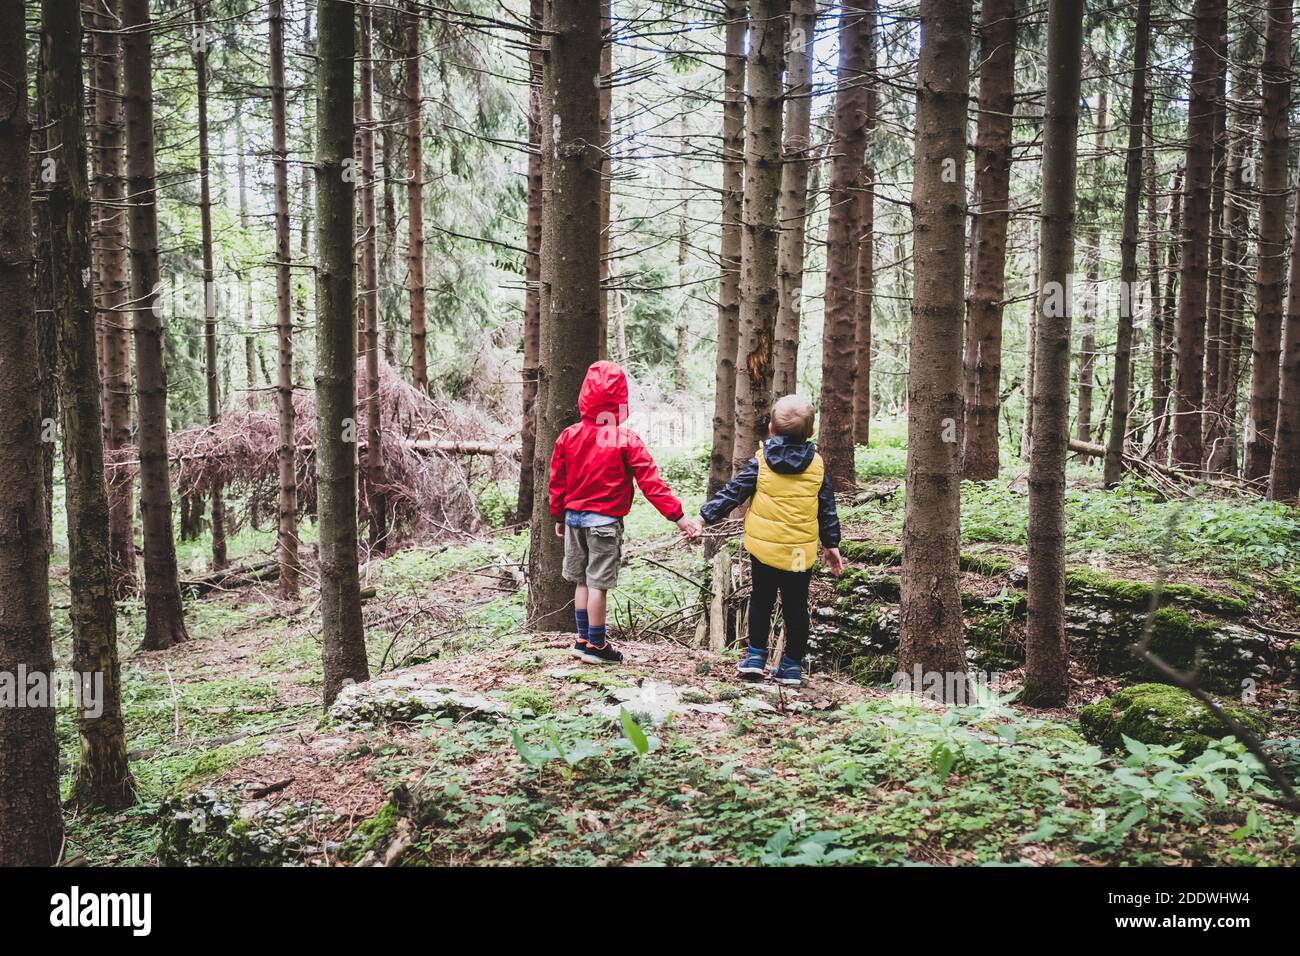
792	512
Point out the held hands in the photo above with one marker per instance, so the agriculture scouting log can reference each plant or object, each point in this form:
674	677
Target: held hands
834	560
690	527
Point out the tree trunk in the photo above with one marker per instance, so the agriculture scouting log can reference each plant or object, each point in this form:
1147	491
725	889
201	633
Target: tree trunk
1284	474
1153	253
376	478
415	201
681	351
244	276
760	231
103	774
209	287
843	232
864	302
570	273
793	210
983	353
606	167
1128	273
1092	247
287	528
1220	395
1274	191
1163	330
1047	679
1030	347
110	243
342	635
532	268
1208	56
733	174
31	821
930	615
164	617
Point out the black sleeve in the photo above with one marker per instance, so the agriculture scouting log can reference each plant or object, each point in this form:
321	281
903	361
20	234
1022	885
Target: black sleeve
828	520
732	495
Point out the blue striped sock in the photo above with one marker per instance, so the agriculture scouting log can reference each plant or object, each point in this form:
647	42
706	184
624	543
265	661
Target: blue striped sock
596	635
581	616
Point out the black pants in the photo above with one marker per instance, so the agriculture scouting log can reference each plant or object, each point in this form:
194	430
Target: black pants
793	588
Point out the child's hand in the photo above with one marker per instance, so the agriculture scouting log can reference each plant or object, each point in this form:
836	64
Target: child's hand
559	529
834	560
690	527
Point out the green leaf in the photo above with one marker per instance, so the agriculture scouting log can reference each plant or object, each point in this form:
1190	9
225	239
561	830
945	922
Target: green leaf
633	732
1135	747
530	756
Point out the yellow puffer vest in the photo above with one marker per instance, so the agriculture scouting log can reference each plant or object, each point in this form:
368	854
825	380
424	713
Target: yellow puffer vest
781	523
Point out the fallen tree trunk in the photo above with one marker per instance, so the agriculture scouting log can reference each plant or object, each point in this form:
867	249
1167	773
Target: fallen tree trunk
228	578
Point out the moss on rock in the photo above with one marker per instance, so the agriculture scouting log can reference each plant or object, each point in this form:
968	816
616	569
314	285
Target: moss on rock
1158	714
1137	594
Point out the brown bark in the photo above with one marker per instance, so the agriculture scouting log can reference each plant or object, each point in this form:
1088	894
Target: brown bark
110	245
1220	394
760	231
376	477
164	616
843	231
1274	192
1208	56
1031	334
287	526
1284	473
31	822
103	774
342	634
605	141
983	353
570	272
209	288
1046	663
1128	272
793	209
733	173
1092	244
1163	328
415	201
532	268
864	301
930	615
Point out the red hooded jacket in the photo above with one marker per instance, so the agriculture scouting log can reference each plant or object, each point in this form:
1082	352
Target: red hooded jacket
594	461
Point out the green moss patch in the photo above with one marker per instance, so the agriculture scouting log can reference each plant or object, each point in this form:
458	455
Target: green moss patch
1158	714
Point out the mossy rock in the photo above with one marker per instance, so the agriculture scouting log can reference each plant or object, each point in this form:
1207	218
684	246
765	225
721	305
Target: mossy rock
531	699
212	828
1136	595
1158	714
888	555
866	553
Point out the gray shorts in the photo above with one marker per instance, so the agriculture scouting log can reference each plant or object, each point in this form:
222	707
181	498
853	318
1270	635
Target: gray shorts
592	555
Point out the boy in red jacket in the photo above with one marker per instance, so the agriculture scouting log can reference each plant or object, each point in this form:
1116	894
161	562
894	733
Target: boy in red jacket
592	468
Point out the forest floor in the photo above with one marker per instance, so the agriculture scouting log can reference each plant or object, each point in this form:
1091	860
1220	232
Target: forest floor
482	743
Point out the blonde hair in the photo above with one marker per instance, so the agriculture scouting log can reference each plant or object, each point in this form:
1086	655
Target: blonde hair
792	417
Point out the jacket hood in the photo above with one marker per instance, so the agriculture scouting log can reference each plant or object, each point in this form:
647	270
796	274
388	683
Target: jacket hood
604	394
786	457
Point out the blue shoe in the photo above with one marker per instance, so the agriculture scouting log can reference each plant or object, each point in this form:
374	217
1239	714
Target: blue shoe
579	647
753	666
788	672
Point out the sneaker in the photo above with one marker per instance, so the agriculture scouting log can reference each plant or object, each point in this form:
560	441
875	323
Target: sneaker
753	666
605	654
788	672
579	647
